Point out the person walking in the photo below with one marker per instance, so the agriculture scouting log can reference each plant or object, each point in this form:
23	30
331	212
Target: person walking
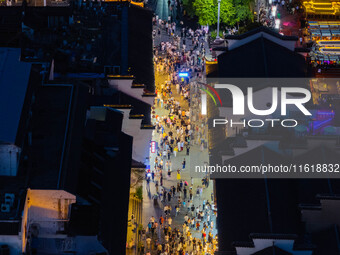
161	221
188	150
169	221
149	226
148	243
153	229
156	186
177	209
165	209
192	210
198	226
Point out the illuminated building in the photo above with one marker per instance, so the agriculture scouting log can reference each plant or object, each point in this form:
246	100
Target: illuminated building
324	29
42	222
322	9
326	34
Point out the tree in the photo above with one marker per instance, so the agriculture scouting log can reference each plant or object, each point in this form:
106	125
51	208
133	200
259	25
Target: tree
243	12
188	5
205	10
227	12
231	12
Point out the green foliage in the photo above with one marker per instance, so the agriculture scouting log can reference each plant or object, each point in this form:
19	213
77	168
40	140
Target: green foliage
243	12
213	34
139	192
205	10
227	12
249	27
189	7
231	11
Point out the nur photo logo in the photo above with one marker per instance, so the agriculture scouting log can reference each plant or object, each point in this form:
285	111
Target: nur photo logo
241	104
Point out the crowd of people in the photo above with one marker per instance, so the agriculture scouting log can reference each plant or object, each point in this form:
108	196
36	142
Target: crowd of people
270	13
177	131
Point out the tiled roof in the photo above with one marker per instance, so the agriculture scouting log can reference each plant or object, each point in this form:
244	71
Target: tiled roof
261	58
272	250
273	236
261	29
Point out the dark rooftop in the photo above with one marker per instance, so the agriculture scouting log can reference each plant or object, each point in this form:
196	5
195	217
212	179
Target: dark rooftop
13	89
270	206
272	250
113	98
273	236
261	58
246	206
261	29
327	241
58	118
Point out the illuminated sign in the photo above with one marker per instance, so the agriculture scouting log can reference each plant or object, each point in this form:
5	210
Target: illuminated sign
182	74
153	146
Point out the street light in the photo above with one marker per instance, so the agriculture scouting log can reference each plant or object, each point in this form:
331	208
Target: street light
218	20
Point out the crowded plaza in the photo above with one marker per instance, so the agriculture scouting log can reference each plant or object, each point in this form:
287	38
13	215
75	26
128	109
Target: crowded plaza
178	210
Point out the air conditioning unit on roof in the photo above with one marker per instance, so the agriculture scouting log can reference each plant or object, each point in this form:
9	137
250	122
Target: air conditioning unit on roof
5	208
9	199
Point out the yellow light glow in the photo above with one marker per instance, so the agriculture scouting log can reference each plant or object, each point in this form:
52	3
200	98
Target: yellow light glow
211	62
141	4
315	7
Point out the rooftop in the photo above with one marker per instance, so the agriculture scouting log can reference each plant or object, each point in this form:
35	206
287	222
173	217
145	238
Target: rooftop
327	241
261	29
81	245
13	89
11	204
273	250
262	212
261	58
39	3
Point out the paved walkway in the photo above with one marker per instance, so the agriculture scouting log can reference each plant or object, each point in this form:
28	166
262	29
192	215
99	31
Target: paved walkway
134	219
196	157
188	42
153	207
